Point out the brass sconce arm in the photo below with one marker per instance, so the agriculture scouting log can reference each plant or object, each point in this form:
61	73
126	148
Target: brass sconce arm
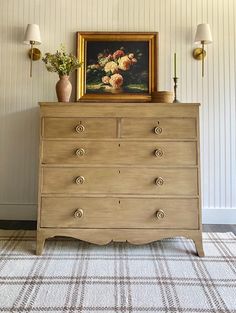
34	54
199	54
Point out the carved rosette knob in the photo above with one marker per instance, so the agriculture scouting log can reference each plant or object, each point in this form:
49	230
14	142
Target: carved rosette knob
158	153
80	128
158	130
79	180
80	152
78	213
159	181
160	214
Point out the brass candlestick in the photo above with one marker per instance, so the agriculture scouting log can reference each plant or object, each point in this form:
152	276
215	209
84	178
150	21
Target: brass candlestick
175	89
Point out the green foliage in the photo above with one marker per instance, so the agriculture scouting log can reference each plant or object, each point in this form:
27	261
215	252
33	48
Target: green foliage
61	62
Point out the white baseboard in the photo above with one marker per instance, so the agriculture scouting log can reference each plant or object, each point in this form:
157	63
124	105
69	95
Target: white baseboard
22	211
219	216
28	211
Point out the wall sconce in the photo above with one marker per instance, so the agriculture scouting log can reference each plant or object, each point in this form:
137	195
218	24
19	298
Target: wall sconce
32	37
203	36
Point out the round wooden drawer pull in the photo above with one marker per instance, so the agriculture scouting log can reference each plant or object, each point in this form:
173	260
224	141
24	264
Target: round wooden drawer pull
80	180
80	152
160	214
159	181
78	213
158	153
80	128
158	130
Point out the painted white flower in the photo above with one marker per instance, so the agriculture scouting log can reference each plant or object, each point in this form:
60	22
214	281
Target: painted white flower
111	67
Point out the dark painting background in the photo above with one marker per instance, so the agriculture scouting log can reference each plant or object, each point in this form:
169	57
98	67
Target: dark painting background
136	80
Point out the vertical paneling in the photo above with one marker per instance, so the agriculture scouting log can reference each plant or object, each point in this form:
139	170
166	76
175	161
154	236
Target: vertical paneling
176	21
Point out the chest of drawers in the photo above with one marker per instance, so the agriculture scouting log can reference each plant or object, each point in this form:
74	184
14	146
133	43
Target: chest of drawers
119	172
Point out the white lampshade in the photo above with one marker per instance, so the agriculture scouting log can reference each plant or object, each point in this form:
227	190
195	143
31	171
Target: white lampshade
32	33
203	33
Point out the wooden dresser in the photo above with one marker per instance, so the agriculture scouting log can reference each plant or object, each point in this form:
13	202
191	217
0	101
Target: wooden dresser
119	172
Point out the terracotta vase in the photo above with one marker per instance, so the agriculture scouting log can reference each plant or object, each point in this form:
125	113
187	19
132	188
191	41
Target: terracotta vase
63	89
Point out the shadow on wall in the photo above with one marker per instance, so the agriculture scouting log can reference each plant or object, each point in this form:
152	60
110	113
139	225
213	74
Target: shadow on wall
19	134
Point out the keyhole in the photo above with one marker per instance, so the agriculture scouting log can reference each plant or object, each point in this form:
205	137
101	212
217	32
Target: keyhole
119	171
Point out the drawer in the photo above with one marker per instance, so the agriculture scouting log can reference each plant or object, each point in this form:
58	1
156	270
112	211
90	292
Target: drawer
79	127
154	128
159	181
119	213
100	152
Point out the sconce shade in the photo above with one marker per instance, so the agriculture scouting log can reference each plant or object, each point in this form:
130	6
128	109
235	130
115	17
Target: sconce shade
203	34
32	33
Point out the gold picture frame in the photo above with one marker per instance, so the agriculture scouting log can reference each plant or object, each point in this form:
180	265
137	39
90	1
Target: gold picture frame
117	67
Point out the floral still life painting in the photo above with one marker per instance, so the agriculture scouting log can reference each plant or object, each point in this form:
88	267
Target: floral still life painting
115	69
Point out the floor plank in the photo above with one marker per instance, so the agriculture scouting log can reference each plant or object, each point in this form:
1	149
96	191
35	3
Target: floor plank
219	228
27	225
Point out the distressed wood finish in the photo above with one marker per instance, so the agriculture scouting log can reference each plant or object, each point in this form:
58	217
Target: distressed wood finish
174	181
156	128
79	128
119	152
118	178
113	213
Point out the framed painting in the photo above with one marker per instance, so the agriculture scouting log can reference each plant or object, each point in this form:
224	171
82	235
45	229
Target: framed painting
118	67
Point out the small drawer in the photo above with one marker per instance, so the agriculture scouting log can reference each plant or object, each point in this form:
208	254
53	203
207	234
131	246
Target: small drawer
120	152
119	213
125	180
154	128
79	127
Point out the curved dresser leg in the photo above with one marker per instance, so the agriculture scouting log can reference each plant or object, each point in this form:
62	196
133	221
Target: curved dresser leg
199	246
40	242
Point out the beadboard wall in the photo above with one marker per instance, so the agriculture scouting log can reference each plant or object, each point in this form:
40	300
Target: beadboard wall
176	22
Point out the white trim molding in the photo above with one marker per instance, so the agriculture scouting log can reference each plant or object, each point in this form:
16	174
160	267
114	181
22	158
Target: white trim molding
219	216
22	211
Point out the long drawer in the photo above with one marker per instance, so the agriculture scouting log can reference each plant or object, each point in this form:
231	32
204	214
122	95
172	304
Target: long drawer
162	128
118	152
119	213
54	127
124	180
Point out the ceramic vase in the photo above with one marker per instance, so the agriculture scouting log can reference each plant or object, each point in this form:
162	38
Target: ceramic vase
63	89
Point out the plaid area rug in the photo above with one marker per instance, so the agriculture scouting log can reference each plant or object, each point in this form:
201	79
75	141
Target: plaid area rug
74	276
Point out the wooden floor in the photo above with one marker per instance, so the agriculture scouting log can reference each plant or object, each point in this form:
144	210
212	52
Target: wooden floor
219	228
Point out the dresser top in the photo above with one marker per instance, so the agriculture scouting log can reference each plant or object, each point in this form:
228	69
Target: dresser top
119	104
139	110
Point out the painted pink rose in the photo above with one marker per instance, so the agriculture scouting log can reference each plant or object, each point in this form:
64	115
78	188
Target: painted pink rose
134	60
124	63
116	81
106	79
118	53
